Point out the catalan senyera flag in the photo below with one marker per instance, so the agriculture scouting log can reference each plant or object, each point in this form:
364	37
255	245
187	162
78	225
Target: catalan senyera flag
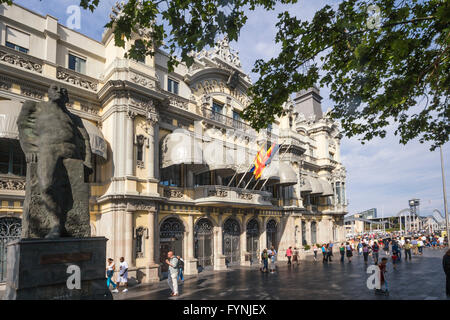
257	168
262	160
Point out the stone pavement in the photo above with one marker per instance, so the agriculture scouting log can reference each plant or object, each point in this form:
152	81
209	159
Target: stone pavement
422	279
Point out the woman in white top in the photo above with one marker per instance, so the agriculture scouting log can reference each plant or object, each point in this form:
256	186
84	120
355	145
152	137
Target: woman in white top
110	273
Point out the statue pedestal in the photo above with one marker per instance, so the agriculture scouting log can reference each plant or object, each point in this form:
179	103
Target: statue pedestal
41	269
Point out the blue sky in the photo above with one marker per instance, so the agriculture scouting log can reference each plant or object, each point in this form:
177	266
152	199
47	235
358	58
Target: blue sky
381	173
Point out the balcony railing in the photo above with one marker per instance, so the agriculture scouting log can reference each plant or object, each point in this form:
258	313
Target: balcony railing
12	183
218	194
20	59
225	120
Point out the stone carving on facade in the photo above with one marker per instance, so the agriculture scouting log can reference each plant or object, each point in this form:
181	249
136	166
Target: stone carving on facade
218	193
173	193
5	85
32	93
76	80
140	205
245	196
140	164
143	81
144	108
21	62
178	103
12	184
89	109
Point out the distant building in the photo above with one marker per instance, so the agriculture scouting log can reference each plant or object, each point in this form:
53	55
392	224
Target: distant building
368	214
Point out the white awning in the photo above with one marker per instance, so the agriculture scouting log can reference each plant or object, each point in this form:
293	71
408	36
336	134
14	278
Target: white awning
9	112
279	173
326	187
180	147
316	186
305	184
97	140
288	177
271	173
217	156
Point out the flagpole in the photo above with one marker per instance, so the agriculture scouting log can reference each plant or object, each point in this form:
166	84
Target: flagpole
235	174
251	179
278	160
251	164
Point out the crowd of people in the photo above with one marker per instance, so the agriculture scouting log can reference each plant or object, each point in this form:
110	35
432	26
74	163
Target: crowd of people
395	247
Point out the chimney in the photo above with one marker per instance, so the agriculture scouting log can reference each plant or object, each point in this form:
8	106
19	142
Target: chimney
307	102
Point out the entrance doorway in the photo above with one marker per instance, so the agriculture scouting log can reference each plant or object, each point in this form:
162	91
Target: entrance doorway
271	234
10	230
231	240
253	240
171	235
203	243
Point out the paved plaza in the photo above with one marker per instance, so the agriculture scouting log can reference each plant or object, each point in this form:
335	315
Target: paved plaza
422	279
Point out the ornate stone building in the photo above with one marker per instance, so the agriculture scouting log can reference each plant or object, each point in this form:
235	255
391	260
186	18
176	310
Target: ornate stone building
171	152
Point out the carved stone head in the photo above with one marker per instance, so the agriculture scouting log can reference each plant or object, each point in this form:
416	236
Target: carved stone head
58	94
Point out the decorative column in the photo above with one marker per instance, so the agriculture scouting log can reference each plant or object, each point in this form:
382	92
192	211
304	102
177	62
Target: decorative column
190	264
263	235
243	244
152	271
128	238
219	261
151	150
156	163
129	144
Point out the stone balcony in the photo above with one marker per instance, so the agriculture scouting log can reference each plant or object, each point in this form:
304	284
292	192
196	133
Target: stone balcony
11	185
327	163
218	195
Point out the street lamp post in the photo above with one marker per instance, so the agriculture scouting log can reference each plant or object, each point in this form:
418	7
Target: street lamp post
445	197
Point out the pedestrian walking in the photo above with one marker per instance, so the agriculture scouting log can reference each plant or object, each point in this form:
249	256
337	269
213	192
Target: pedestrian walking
394	258
315	252
386	246
342	251
172	261
407	247
348	250
446	266
365	251
110	268
414	246
375	252
265	261
360	246
420	246
383	281
273	256
324	253
329	252
123	275
289	255
295	256
180	268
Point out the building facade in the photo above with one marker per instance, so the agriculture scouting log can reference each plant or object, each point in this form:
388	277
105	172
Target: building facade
171	153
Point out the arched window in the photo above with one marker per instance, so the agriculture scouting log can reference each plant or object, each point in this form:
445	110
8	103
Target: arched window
313	232
271	230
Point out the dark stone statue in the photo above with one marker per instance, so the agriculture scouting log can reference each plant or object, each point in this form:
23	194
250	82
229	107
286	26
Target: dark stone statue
58	155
